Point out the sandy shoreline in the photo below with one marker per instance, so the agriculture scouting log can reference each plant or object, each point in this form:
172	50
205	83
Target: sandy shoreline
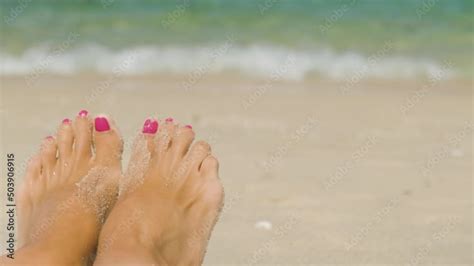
375	176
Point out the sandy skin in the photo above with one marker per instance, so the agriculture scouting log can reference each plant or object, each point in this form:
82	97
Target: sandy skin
70	192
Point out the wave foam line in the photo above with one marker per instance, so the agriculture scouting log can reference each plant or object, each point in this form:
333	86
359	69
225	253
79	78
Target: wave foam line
256	60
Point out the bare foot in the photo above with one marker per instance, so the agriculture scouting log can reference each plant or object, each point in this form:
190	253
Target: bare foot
66	192
170	198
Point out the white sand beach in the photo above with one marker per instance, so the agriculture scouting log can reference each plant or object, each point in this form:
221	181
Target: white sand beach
375	176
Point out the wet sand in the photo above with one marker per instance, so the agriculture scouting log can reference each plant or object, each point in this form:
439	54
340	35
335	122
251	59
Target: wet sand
358	178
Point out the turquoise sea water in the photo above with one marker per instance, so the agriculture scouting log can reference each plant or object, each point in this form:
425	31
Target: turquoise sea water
422	36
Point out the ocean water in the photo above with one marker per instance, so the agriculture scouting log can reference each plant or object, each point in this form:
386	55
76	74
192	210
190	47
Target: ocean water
276	38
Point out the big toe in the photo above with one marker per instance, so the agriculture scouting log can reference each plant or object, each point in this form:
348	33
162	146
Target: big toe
107	141
150	127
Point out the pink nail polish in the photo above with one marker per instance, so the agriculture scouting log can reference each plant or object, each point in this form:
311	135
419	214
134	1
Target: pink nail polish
150	126
66	121
83	113
189	126
169	120
49	138
101	124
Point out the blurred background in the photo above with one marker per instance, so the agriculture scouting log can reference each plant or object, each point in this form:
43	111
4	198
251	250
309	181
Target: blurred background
344	128
330	38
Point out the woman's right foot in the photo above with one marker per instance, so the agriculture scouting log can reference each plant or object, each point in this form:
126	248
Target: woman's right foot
170	198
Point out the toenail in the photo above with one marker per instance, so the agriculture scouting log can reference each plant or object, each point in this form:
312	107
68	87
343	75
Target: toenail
49	137
101	124
189	126
150	126
66	121
83	113
169	120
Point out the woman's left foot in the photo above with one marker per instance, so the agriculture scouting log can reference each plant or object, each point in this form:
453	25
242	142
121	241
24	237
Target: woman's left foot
67	190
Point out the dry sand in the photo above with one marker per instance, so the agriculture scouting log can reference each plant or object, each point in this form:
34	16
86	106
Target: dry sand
342	178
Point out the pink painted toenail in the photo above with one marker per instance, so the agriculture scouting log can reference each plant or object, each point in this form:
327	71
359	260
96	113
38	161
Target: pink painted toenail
49	138
83	113
150	126
66	121
101	124
169	120
189	126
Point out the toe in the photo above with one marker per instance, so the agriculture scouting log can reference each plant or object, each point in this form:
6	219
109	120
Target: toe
164	137
197	154
143	151
210	167
182	140
150	128
65	140
48	155
33	169
107	141
83	137
188	166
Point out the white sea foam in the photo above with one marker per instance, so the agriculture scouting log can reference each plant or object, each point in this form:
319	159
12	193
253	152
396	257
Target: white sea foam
256	60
